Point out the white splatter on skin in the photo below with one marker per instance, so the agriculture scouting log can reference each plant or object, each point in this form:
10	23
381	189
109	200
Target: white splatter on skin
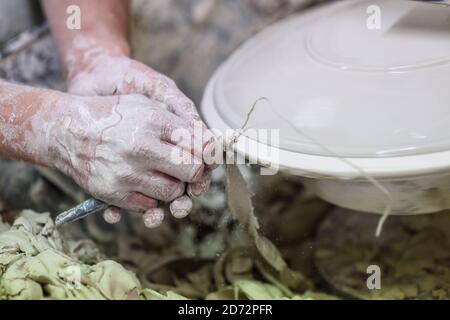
181	207
117	148
97	62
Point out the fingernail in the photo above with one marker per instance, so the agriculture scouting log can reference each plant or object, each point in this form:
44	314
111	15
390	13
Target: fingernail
177	192
153	218
181	207
210	158
112	215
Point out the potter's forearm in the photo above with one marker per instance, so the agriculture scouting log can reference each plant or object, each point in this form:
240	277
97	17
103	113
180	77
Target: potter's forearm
103	30
21	134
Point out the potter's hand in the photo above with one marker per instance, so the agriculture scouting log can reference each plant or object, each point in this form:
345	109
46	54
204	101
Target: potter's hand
96	61
125	151
102	74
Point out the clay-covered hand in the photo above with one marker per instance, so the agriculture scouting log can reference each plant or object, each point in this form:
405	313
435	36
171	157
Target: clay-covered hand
105	75
123	149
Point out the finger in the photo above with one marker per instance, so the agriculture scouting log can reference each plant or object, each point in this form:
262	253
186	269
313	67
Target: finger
138	202
197	188
153	218
112	215
160	186
181	207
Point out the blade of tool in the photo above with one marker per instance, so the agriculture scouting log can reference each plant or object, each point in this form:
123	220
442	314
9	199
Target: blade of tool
441	2
82	210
